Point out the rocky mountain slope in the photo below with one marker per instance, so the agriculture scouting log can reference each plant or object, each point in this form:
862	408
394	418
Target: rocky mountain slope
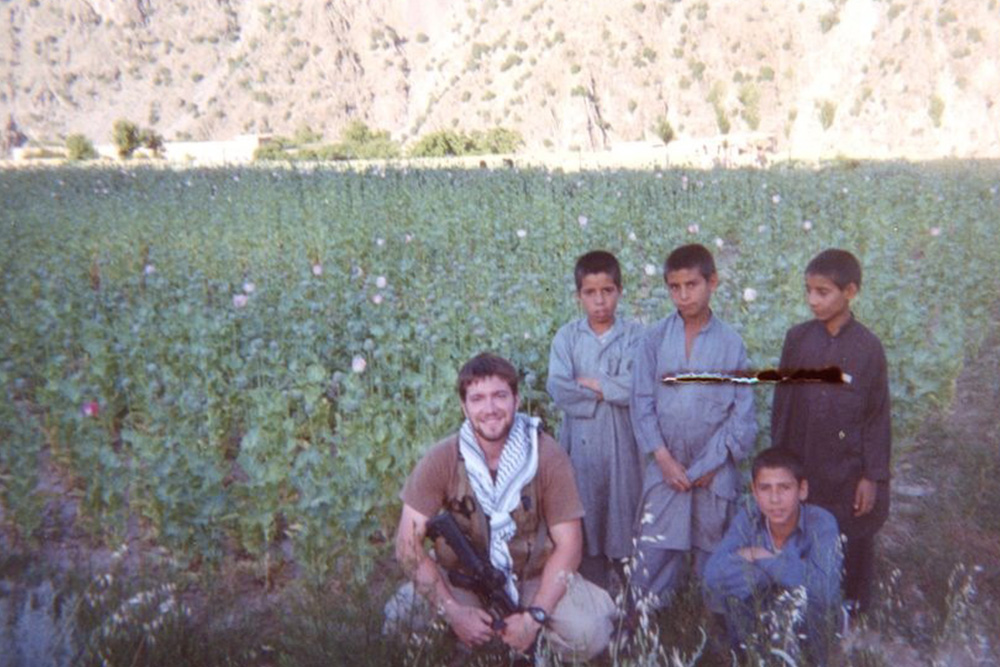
860	78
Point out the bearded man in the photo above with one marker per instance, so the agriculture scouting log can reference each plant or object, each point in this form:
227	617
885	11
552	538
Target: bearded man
511	490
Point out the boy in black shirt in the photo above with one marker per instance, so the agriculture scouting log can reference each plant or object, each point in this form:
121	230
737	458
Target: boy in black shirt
842	433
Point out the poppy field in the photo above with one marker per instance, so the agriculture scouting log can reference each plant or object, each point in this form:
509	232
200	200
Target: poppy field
230	357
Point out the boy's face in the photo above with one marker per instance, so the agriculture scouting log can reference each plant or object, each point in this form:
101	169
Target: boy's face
691	292
779	494
598	295
490	406
827	301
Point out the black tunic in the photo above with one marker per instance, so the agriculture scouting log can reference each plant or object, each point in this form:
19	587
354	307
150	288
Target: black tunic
841	432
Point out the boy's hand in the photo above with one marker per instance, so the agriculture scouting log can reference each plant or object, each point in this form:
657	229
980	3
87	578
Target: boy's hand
706	479
674	473
592	384
750	554
864	497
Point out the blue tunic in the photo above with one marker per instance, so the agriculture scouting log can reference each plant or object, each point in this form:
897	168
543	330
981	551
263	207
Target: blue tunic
597	435
811	557
704	426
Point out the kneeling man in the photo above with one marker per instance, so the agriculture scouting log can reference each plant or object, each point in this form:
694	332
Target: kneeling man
511	489
779	545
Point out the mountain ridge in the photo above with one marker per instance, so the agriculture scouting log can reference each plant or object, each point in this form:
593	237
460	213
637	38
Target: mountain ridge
860	78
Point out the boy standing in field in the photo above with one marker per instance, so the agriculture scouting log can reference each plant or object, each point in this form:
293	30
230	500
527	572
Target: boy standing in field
842	433
590	378
779	545
693	434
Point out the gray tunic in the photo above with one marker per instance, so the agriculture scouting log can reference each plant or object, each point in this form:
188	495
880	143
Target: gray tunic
597	435
704	426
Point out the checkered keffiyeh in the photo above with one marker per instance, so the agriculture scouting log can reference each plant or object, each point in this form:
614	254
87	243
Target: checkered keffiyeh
499	498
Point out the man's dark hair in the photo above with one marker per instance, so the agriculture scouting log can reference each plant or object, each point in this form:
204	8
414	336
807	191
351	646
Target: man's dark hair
778	458
597	261
485	365
693	256
839	266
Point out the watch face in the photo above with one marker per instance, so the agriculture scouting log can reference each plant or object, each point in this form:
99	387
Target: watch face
538	614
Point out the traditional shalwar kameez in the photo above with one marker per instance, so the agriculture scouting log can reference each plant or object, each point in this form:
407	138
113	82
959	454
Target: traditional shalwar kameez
840	432
705	427
597	434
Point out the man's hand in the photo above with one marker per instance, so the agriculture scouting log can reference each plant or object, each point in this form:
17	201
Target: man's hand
750	554
864	497
472	626
592	384
673	472
520	631
705	480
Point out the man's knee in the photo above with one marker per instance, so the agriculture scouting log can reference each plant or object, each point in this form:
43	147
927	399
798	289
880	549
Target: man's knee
581	624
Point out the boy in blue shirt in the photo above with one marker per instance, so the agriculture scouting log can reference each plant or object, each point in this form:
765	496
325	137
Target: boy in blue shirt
780	544
842	433
590	378
693	435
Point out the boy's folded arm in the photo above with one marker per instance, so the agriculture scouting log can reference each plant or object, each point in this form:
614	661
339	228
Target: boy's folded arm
816	565
727	573
617	388
569	396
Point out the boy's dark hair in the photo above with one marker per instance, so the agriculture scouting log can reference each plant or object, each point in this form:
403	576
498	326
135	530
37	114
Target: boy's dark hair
840	266
485	365
778	458
597	261
693	256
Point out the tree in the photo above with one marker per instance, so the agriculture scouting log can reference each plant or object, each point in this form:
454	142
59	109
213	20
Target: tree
126	137
664	130
444	143
151	140
79	147
499	140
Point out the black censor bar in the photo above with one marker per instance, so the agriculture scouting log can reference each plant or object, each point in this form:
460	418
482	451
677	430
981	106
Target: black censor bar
828	375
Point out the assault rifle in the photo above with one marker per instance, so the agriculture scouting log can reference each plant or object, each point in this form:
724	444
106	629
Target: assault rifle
486	581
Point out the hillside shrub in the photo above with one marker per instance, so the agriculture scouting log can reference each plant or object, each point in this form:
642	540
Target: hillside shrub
79	147
444	143
827	113
936	110
749	97
451	143
828	21
664	130
125	135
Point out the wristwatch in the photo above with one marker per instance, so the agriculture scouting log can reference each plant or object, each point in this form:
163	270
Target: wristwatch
540	615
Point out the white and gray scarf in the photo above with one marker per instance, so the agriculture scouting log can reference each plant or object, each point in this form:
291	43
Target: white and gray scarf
499	498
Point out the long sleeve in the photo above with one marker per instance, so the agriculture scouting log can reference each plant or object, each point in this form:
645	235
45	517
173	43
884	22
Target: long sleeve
570	397
727	574
815	561
736	435
643	399
617	387
876	432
